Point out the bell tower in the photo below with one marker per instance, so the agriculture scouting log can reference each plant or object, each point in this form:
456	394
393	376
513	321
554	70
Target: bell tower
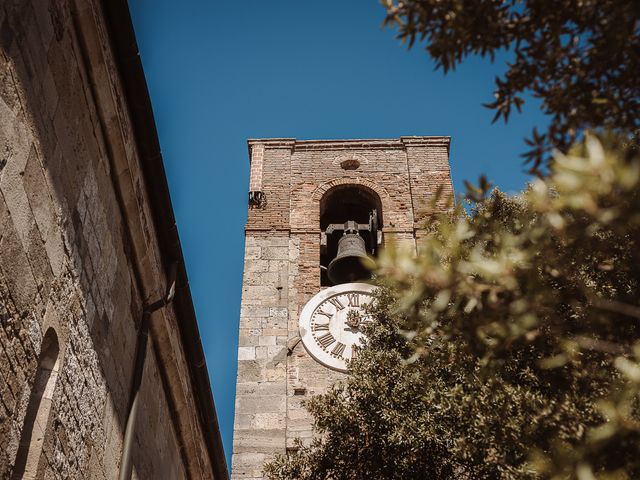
319	211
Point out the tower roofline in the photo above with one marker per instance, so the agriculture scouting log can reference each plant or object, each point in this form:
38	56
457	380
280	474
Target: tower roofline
351	144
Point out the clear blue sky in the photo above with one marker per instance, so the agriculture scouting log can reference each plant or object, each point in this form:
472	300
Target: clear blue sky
220	72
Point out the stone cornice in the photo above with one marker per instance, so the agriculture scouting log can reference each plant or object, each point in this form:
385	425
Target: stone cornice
316	231
415	141
351	144
348	144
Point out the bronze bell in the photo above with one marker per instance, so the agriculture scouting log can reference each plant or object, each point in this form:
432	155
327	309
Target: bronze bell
352	262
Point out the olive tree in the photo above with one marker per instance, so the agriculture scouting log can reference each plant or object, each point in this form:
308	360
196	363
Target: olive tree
580	58
508	348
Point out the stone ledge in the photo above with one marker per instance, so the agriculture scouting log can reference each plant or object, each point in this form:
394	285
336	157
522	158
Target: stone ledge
350	144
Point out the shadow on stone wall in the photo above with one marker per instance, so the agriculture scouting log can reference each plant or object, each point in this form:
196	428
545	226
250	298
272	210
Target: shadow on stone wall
64	258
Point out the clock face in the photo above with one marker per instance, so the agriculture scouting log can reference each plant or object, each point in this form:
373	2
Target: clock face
330	323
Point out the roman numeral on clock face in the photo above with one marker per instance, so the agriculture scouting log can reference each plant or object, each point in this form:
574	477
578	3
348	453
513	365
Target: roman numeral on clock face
354	299
318	327
338	350
320	312
336	303
326	340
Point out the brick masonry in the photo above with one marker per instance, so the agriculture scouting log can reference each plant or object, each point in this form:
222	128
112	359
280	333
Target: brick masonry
75	227
281	269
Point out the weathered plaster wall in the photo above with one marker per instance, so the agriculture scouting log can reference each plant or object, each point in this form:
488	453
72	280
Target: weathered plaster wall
281	270
78	254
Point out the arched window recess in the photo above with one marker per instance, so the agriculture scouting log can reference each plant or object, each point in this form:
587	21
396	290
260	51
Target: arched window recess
36	419
351	223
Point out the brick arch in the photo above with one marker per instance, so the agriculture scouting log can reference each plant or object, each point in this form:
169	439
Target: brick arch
305	214
378	191
323	188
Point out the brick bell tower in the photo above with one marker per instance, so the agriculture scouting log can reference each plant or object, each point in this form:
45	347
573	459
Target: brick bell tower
317	208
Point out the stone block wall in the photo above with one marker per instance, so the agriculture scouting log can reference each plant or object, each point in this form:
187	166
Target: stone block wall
262	353
78	255
281	270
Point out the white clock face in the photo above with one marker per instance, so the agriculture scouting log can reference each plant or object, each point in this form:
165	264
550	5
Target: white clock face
330	323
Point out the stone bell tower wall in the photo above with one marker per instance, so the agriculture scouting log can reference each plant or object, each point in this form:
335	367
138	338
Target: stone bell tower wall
281	270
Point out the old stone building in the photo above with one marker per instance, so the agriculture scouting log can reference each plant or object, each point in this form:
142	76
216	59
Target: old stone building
312	204
89	256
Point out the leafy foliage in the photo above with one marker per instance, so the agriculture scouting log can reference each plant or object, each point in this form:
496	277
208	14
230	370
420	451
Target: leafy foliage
581	58
509	348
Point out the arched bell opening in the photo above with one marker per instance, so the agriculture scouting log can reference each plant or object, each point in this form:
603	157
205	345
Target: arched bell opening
37	416
350	221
